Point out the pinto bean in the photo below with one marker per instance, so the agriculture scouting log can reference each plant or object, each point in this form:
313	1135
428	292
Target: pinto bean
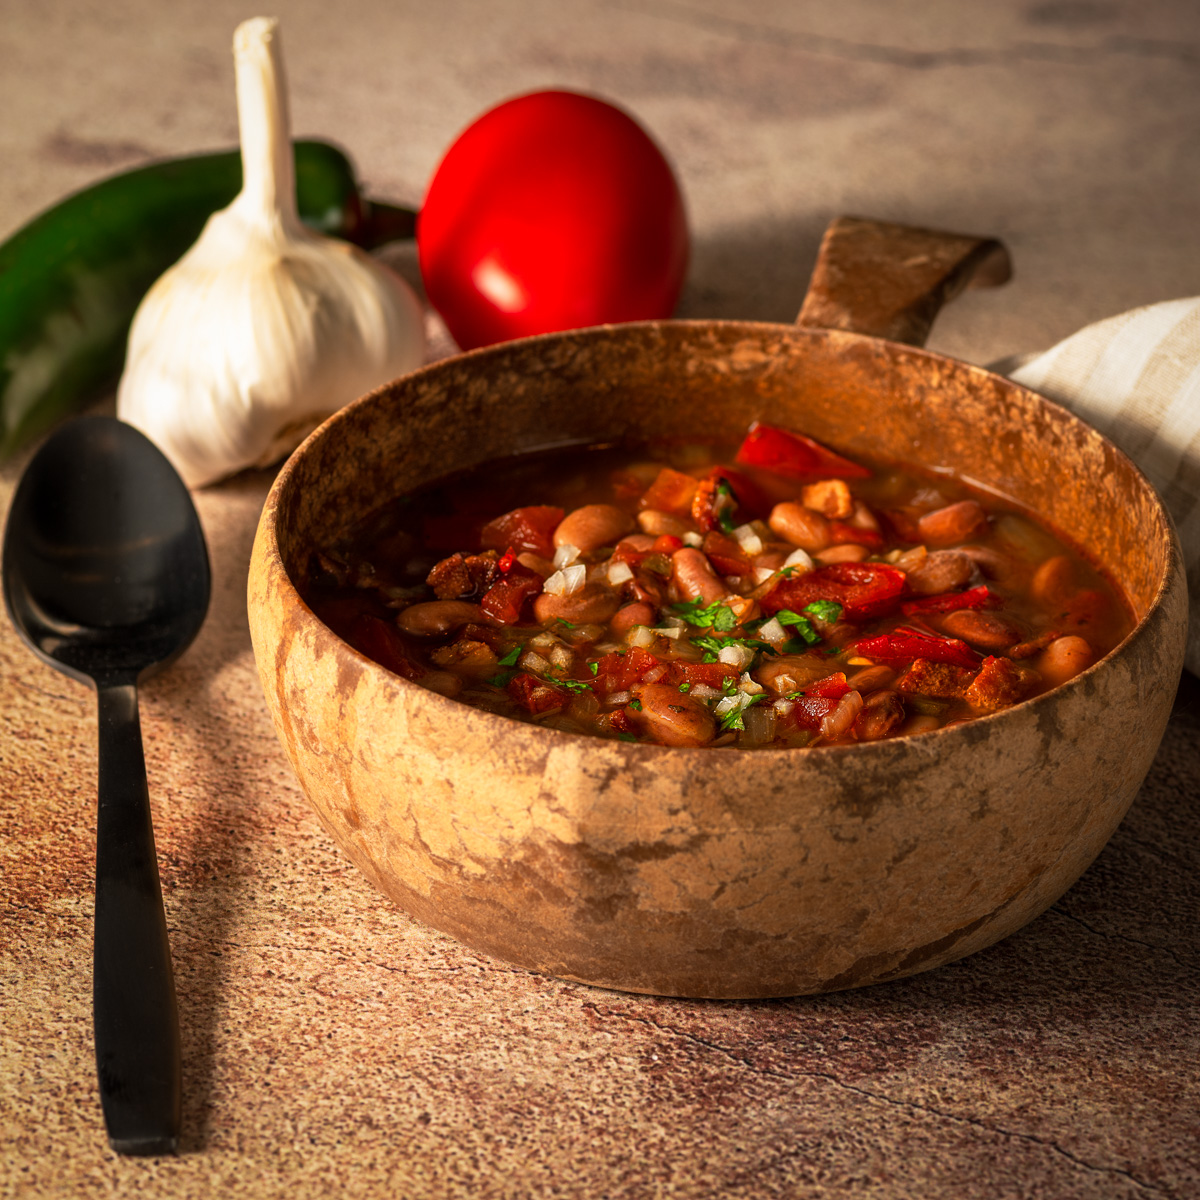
594	604
1064	658
952	524
435	618
986	630
655	522
991	562
592	526
672	717
941	571
538	565
881	713
693	575
1054	581
790	672
839	722
639	543
871	679
800	526
846	552
626	617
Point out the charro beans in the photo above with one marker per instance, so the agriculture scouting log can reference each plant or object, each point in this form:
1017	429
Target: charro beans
693	575
593	526
436	618
953	524
983	630
1063	659
673	718
629	615
800	526
941	571
594	604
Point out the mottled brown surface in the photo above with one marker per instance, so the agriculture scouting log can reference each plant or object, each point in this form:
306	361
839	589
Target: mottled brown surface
333	1045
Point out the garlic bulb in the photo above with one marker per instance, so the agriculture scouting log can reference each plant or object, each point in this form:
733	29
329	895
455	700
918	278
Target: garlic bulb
264	327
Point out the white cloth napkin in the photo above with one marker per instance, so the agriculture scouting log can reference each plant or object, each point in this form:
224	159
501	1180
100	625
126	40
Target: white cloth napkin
1136	378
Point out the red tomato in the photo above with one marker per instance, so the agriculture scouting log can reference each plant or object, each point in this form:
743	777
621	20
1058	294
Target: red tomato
530	528
552	211
864	590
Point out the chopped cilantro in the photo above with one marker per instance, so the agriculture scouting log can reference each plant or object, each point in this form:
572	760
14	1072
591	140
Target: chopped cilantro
801	624
709	657
510	658
561	621
685	687
716	616
636	705
572	685
794	646
824	610
593	667
722	511
716	645
501	680
733	718
727	685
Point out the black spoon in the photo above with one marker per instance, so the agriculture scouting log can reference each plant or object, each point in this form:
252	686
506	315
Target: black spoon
106	577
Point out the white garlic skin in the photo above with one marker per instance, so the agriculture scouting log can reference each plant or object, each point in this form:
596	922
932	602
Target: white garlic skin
264	328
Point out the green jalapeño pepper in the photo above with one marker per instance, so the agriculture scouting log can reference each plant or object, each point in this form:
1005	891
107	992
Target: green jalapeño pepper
71	280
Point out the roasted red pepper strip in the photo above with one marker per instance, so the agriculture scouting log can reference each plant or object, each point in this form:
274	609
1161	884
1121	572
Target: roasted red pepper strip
907	645
864	590
976	597
793	454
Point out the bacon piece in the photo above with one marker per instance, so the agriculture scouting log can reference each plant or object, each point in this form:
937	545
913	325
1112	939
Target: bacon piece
999	684
671	492
938	679
463	575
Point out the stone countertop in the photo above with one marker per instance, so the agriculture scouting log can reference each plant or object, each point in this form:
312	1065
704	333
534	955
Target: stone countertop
334	1046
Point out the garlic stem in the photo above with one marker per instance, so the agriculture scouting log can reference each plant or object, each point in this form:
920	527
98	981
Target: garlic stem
268	172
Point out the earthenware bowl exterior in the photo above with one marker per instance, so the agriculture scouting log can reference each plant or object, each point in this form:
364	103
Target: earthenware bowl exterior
717	873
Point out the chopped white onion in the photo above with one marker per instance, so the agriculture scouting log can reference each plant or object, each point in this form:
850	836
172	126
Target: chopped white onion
799	558
561	657
750	687
771	631
747	537
675	623
702	691
783	707
619	573
727	704
736	656
620	698
762	574
531	661
693	539
544	640
673	632
565	555
640	635
566	581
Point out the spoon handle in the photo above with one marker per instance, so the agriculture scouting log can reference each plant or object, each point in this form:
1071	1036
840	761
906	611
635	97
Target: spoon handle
133	992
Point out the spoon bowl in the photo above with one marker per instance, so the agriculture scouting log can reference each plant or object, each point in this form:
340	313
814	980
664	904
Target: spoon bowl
106	578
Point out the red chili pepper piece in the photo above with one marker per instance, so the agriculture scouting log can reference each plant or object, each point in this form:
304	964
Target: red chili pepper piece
530	529
907	645
976	597
666	544
505	599
793	454
864	590
506	560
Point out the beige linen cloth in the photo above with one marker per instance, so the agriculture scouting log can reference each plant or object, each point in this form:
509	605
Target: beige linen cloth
1136	378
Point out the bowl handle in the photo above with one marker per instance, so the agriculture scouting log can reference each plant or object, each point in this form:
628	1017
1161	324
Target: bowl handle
889	281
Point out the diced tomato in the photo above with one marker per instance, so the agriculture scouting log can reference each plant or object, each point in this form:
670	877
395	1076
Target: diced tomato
380	640
530	529
535	695
618	672
794	455
832	687
976	597
725	554
505	599
709	674
666	544
621	721
671	492
842	532
625	552
907	644
810	711
864	590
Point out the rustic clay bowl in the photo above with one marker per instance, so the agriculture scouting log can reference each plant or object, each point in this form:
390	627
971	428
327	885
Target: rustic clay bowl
724	873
